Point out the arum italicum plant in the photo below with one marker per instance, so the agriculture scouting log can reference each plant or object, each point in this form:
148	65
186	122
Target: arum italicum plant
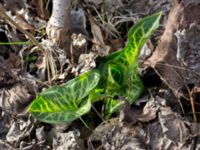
117	75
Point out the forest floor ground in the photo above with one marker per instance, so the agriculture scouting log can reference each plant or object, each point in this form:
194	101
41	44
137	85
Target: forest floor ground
165	117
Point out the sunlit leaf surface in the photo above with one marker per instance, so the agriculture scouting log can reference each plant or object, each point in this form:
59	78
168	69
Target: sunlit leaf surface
120	68
67	102
117	75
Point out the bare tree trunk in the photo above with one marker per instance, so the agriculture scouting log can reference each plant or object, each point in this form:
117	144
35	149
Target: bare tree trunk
59	22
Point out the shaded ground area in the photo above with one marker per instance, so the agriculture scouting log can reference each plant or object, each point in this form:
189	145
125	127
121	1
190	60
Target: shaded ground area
166	116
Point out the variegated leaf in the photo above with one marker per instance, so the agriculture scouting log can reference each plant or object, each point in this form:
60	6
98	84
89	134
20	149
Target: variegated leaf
67	102
122	65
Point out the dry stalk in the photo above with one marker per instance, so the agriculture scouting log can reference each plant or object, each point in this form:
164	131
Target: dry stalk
192	105
50	64
9	19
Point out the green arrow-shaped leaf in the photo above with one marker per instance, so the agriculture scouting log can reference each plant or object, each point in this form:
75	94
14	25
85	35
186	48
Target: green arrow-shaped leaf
67	102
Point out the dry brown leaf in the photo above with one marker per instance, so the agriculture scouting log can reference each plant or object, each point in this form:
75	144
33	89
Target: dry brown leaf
15	100
19	130
98	40
114	135
14	5
69	140
78	21
39	8
23	23
96	2
116	44
164	60
170	131
13	62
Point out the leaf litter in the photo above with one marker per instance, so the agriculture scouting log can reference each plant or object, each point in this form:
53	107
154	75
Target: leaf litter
160	121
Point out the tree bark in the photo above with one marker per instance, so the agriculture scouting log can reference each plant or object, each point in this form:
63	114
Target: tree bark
59	23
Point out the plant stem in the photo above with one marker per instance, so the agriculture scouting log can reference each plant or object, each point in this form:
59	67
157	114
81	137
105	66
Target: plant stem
84	123
16	43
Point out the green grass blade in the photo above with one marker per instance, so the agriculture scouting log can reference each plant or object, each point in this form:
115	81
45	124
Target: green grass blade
16	43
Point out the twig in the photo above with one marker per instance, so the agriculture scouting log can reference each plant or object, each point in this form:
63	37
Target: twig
8	18
192	105
98	114
32	38
191	99
84	123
